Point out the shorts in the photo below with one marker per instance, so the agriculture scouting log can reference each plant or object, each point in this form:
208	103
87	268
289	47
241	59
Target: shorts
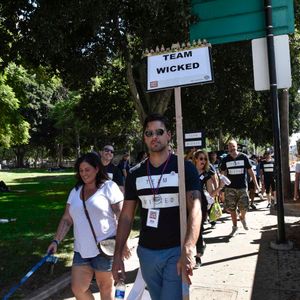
270	184
98	263
236	198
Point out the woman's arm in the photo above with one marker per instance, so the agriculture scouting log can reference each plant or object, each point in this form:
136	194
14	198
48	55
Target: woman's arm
117	208
63	228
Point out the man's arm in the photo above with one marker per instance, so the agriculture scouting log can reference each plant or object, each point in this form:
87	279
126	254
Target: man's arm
117	208
124	226
186	263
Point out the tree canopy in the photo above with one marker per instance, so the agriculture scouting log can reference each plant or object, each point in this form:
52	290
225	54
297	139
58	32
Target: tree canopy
96	48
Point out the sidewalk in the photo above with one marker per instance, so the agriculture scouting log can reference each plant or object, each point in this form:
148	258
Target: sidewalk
243	267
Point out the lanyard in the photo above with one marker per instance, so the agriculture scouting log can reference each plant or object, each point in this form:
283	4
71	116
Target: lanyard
155	189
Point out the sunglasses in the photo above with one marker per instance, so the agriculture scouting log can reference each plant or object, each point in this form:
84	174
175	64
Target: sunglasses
202	158
157	132
108	150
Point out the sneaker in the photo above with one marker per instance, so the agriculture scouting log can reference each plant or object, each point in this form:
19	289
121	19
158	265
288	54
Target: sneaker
269	205
234	231
198	263
253	206
212	224
244	224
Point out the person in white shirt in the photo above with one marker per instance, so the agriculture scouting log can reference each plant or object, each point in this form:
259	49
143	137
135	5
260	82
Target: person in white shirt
103	200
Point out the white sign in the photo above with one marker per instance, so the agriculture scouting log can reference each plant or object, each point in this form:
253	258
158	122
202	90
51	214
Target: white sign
193	135
261	65
187	67
193	143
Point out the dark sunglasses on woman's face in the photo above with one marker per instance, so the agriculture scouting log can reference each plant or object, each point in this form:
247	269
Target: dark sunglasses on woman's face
157	132
202	158
108	150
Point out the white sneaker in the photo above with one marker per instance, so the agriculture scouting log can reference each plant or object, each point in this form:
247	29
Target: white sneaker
234	231
244	224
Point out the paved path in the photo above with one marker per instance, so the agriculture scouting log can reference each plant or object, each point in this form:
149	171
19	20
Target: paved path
243	267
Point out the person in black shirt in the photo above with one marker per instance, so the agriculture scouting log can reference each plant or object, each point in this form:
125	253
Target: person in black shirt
113	172
268	179
236	166
208	192
155	186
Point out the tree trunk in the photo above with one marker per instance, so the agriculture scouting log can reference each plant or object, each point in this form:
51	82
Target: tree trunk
59	153
285	166
221	140
77	137
145	103
20	153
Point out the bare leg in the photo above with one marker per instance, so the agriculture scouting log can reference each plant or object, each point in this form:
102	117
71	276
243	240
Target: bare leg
234	217
105	283
242	215
81	280
252	195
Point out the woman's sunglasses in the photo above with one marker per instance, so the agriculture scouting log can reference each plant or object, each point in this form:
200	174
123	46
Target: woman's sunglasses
157	132
202	158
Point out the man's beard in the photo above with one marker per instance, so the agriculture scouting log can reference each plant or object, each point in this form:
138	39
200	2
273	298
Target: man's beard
160	148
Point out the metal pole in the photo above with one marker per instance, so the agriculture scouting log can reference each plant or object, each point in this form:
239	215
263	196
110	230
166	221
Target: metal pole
281	238
181	179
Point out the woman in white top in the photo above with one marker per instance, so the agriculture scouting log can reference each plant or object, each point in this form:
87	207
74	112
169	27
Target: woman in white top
103	200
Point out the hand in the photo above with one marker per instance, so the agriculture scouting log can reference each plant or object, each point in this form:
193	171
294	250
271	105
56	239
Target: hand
52	248
118	270
126	252
186	264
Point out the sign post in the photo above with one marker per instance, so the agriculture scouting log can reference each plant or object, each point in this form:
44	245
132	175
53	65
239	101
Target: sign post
184	67
181	177
281	237
234	20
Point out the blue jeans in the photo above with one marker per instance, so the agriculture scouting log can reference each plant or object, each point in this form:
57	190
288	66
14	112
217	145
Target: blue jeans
160	273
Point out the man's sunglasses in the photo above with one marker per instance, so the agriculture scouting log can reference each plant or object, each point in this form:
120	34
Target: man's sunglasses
108	150
157	132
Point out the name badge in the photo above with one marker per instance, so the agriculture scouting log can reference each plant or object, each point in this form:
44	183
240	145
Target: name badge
153	217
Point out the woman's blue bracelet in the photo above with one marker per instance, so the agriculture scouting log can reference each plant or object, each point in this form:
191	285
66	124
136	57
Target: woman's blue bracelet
56	242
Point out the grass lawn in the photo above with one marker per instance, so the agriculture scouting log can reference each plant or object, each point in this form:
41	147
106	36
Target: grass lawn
36	200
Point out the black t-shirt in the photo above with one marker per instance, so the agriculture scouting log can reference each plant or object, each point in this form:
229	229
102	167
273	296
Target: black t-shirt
203	178
236	170
138	188
268	168
114	174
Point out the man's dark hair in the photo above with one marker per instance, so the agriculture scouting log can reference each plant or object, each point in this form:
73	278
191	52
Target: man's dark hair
156	117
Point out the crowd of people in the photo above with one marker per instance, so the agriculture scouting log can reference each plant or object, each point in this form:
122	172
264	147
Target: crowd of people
102	205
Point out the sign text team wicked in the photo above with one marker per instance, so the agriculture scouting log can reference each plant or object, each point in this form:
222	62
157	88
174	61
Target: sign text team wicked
180	67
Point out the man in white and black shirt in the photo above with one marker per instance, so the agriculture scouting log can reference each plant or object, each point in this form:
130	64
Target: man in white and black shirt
153	185
235	166
268	178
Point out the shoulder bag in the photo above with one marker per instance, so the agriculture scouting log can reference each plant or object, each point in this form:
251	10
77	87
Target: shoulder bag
105	247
